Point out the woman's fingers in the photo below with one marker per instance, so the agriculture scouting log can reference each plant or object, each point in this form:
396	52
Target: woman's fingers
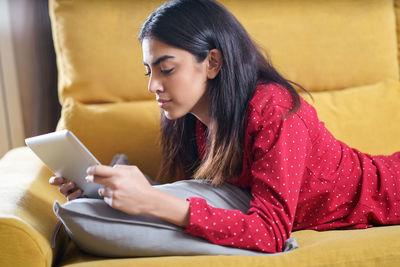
101	170
105	192
98	180
56	180
122	166
67	188
74	195
101	174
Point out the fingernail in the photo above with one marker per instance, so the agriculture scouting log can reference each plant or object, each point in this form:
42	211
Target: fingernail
51	180
89	178
89	170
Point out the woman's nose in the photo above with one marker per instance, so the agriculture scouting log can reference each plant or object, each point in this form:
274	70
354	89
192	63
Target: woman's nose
154	85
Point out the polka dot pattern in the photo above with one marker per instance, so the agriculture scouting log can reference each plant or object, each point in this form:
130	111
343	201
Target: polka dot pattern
300	177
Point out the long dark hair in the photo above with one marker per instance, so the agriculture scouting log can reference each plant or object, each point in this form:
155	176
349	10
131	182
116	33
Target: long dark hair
198	26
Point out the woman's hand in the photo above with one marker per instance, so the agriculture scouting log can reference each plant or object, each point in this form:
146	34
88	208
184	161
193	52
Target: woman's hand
126	188
68	189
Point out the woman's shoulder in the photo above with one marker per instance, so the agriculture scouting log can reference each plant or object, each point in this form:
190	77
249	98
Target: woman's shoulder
268	106
270	96
271	104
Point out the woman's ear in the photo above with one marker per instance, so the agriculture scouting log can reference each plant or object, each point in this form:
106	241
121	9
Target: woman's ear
214	64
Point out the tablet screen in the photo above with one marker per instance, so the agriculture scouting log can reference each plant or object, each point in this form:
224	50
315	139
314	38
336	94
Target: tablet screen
65	156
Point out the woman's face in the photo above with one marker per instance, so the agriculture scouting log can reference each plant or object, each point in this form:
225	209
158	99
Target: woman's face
177	79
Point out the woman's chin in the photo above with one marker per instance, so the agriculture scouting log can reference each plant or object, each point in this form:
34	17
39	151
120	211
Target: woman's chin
172	115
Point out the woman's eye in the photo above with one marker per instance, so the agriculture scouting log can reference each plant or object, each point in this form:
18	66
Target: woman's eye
167	71
162	71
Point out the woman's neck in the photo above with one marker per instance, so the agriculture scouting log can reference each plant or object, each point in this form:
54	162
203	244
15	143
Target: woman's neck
202	110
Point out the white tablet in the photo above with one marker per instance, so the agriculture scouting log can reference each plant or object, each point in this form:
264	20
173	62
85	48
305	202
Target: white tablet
65	156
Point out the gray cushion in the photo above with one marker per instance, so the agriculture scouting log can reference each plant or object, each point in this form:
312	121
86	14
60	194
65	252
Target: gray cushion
99	229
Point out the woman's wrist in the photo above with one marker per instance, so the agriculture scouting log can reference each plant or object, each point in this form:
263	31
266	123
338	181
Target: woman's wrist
169	208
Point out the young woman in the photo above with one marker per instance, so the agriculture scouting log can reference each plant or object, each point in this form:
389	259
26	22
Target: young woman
230	117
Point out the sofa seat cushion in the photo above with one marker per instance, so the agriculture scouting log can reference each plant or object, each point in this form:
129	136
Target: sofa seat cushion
24	200
377	246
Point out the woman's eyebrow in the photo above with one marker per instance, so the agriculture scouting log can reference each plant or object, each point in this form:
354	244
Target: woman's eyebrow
159	60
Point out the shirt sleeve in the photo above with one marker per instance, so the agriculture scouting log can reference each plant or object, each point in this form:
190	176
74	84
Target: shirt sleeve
279	149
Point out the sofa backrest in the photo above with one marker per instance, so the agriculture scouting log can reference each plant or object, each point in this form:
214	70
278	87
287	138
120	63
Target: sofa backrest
322	45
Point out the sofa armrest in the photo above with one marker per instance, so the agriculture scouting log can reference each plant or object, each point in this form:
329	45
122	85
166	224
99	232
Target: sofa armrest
26	217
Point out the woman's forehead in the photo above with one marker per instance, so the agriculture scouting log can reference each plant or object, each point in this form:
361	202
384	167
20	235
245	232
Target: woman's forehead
154	50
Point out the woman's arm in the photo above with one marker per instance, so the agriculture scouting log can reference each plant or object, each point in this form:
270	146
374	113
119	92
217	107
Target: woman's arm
170	208
127	189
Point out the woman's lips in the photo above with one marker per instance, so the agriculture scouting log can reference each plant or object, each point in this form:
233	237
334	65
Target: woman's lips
163	102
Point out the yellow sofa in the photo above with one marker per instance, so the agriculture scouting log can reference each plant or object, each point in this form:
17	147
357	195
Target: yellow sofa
343	51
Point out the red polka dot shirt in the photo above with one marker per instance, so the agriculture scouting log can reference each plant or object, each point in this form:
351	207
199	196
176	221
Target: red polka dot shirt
300	177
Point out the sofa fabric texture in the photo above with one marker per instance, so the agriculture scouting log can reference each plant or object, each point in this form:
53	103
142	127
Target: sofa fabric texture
345	52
